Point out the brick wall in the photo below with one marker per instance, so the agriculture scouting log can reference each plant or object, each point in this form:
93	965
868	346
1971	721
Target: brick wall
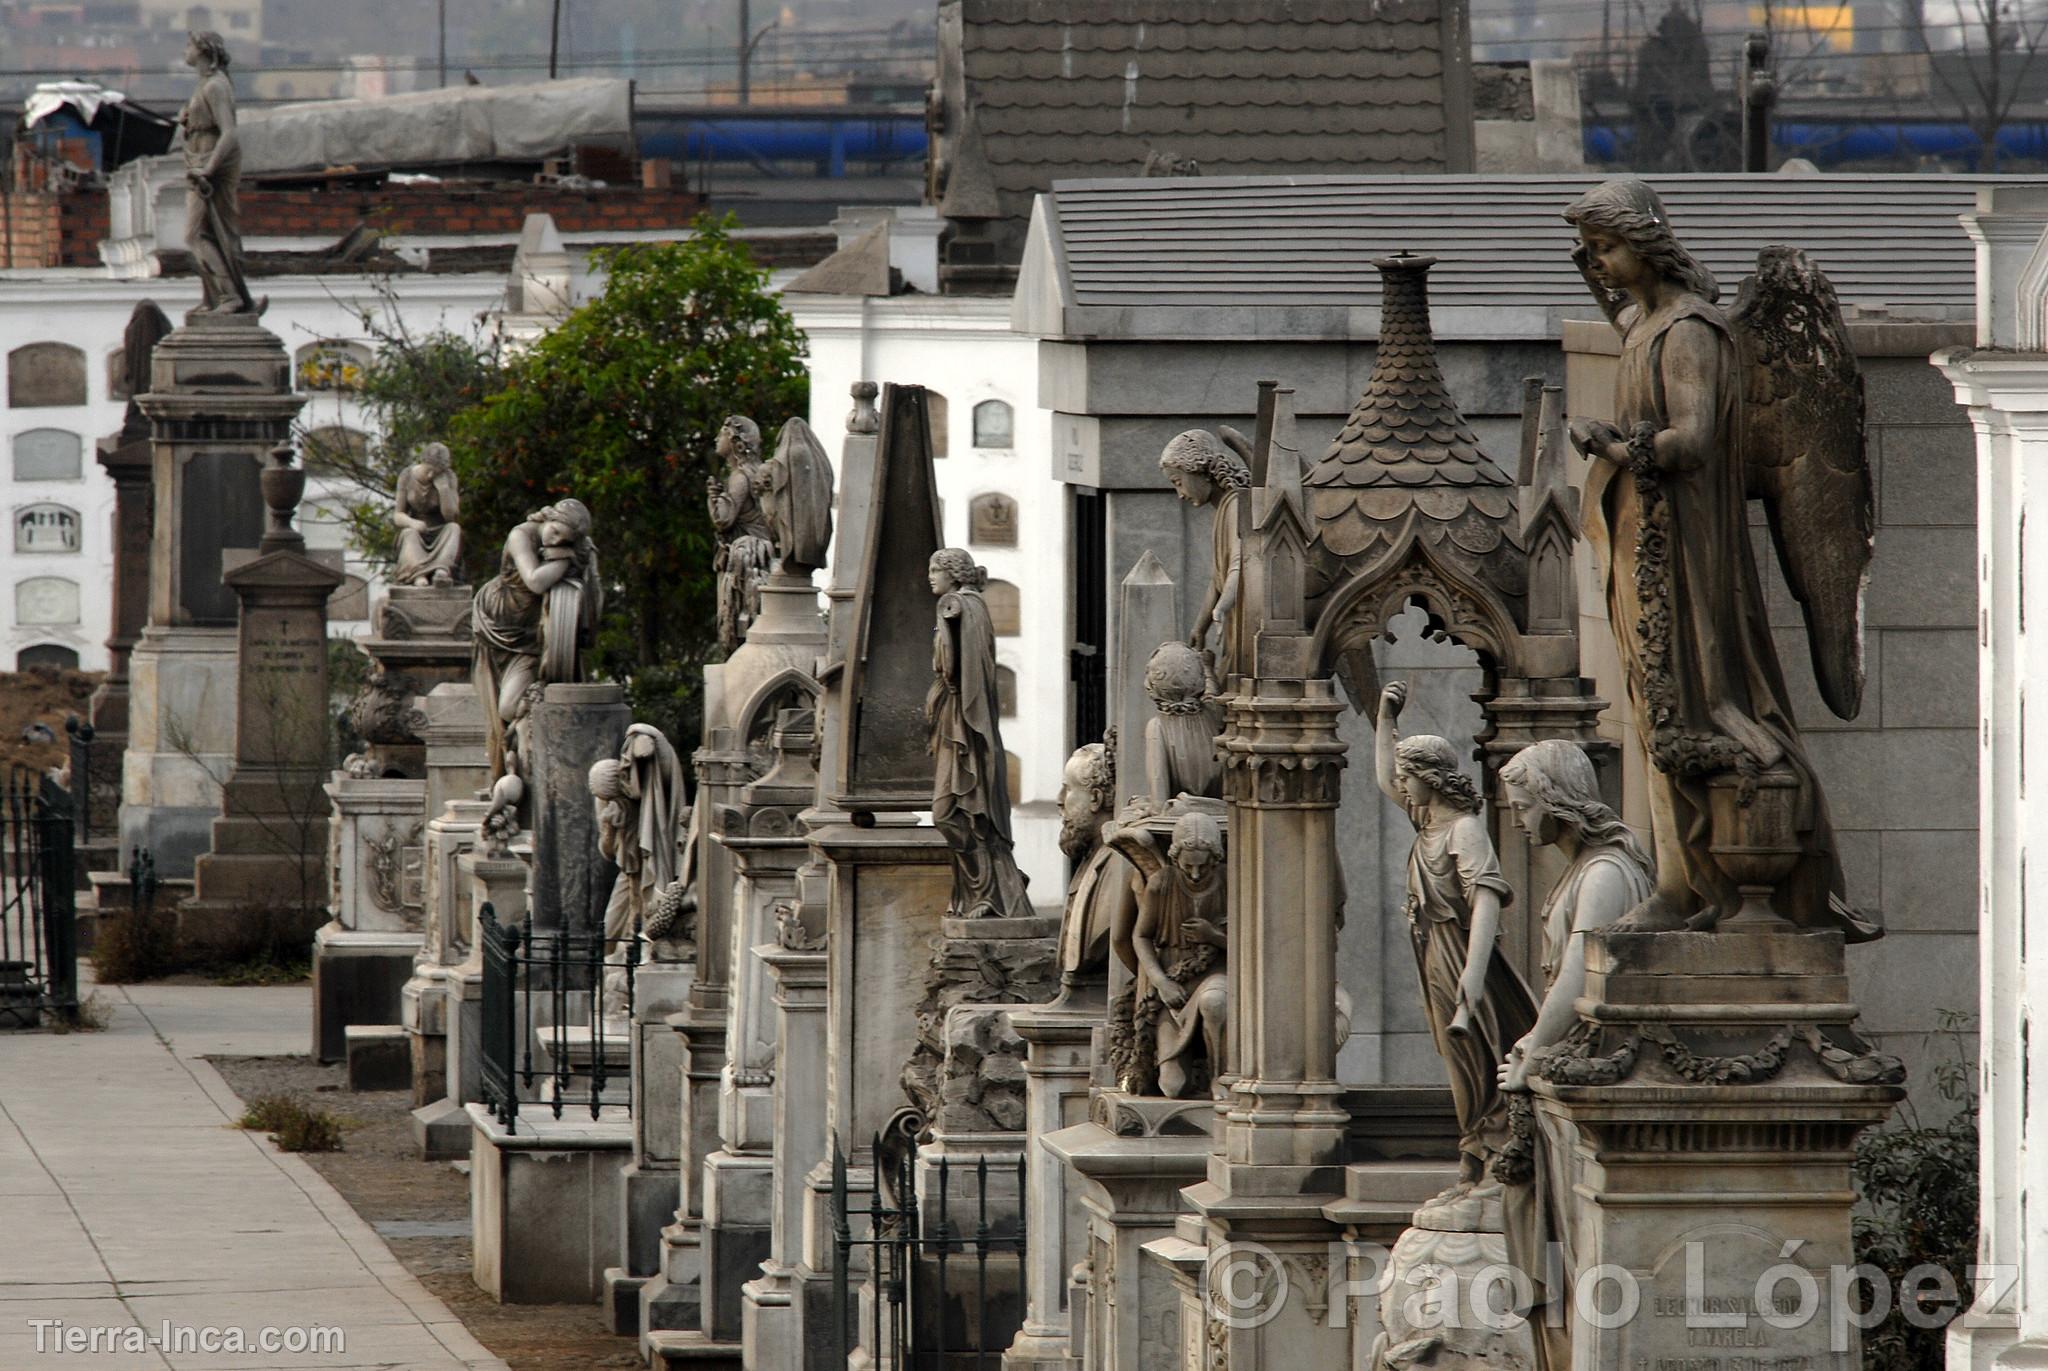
43	228
465	209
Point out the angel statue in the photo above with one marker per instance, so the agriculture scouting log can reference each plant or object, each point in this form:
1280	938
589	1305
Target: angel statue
1207	470
1179	1032
1709	409
797	500
426	509
1476	1003
970	781
746	543
531	623
642	816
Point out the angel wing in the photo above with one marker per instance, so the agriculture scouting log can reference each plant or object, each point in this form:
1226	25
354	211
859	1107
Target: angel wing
1128	836
1803	455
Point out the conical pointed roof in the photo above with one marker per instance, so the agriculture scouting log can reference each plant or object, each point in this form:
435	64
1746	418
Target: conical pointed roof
1406	429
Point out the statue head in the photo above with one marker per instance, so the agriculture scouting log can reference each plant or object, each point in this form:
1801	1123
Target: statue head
562	524
607	780
1176	679
1626	232
435	457
739	440
953	568
207	50
1197	846
1426	773
1087	796
1201	466
1553	790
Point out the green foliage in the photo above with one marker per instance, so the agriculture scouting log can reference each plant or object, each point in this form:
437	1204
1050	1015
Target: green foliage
619	406
1918	1186
291	1124
131	945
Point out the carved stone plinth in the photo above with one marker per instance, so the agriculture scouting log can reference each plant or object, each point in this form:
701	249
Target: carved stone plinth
376	861
573	726
1714	1093
419	639
649	1186
1058	1060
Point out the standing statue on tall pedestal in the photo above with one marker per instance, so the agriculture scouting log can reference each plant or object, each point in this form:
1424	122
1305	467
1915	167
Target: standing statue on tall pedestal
1180	1006
970	781
425	510
532	621
1476	1004
1100	910
746	542
1207	470
213	178
1710	409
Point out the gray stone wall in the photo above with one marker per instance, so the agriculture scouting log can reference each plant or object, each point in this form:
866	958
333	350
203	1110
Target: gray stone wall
1901	778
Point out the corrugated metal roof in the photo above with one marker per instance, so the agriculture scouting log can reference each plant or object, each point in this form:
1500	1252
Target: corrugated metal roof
1501	241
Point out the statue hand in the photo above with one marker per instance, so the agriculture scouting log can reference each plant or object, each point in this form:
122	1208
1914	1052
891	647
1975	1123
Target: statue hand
1172	995
201	183
1472	985
1600	440
1202	930
1392	700
1514	1072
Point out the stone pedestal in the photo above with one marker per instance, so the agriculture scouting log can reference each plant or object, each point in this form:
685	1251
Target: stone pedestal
1058	1061
439	1124
364	954
573	726
501	881
1715	1091
220	399
262	881
419	640
130	462
544	1203
650	1186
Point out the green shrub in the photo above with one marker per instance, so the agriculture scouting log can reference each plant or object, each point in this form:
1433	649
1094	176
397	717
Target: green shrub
291	1124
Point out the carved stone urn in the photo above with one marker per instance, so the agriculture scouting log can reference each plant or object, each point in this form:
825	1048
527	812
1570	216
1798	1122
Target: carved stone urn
283	483
1756	838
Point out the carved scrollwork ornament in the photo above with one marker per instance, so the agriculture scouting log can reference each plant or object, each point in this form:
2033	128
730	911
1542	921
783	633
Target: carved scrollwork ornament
1867	1067
1746	1068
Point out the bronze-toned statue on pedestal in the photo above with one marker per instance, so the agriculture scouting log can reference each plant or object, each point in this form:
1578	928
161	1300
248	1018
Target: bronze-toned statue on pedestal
1711	408
970	781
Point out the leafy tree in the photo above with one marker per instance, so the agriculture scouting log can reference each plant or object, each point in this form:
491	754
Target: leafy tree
619	406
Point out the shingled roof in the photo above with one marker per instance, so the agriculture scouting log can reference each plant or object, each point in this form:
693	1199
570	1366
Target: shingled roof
1090	88
1124	253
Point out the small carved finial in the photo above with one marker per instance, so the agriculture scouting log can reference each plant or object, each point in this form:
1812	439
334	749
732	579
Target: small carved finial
864	419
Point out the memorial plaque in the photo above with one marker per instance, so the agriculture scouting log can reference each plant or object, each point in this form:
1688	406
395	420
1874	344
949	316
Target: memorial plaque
992	521
1003	608
48	454
43	374
224	506
282	713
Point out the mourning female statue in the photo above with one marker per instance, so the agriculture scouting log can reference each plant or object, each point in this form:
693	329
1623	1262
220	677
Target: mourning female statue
426	509
797	500
970	781
1709	409
1180	743
1207	470
746	544
531	621
642	816
1180	1009
1554	794
213	177
1476	1004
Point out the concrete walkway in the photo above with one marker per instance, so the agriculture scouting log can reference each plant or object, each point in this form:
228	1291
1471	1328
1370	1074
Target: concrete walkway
128	1201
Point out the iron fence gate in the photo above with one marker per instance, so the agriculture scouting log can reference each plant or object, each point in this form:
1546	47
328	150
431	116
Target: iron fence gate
568	996
38	904
927	1280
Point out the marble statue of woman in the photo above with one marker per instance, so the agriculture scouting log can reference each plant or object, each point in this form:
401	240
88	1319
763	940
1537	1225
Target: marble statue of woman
1554	794
1476	1004
970	782
1180	743
1207	470
746	541
1180	1005
642	816
1710	408
213	177
426	509
531	623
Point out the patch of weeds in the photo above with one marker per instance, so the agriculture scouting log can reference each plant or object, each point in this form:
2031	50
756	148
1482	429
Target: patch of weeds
91	1015
291	1124
133	945
269	970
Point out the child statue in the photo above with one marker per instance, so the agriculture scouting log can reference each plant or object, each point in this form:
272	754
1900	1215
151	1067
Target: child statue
1180	1015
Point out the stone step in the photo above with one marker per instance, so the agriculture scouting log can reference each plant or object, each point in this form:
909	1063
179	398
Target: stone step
691	1349
379	1056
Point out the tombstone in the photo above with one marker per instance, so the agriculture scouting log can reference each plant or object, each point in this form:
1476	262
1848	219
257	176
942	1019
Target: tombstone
1003	609
992	521
45	375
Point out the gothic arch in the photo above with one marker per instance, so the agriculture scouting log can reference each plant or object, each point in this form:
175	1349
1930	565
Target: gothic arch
781	691
1360	609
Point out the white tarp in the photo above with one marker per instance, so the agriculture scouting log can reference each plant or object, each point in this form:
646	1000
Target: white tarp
439	127
84	96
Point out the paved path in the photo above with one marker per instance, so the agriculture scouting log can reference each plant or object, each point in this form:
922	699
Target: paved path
127	1201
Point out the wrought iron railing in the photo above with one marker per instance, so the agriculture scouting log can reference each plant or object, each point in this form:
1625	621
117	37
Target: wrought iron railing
38	904
555	1006
95	782
915	1318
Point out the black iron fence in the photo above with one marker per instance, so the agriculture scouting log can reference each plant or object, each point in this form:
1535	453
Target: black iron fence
932	1301
95	782
38	904
557	1010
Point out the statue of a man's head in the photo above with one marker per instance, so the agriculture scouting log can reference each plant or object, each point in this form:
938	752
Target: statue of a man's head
1087	797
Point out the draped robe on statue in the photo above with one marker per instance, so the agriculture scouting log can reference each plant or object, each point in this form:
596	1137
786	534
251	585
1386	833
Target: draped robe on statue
1724	666
970	782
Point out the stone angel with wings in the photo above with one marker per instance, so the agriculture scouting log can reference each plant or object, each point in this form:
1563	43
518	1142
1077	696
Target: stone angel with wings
1712	408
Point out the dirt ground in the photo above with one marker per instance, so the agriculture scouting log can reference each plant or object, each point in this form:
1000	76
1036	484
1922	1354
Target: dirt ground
45	696
380	1174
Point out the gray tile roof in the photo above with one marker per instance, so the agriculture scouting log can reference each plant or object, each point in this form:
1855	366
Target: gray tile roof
1308	242
1065	88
